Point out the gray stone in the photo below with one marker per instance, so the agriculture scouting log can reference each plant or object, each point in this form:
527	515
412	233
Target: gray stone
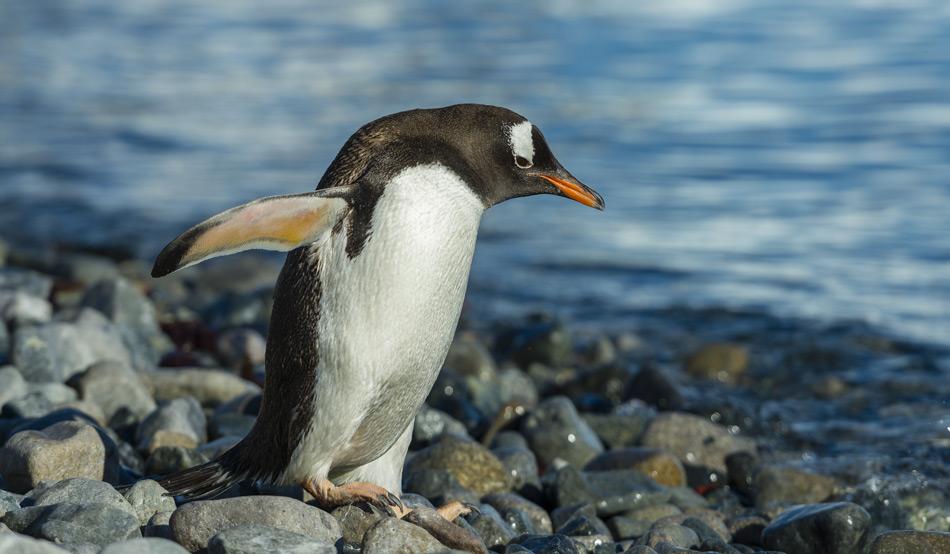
252	539
84	267
147	545
521	465
676	535
181	415
169	459
547	544
240	348
610	492
158	526
20	309
77	490
617	431
148	498
58	350
111	386
432	424
25	280
95	523
4	343
393	535
625	527
542	341
11	543
9	501
554	430
193	525
910	542
211	387
788	485
230	425
507	501
490	526
134	315
12	384
354	523
469	357
438	485
839	527
63	450
694	440
473	465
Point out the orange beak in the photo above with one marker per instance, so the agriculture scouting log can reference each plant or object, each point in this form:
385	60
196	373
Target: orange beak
575	190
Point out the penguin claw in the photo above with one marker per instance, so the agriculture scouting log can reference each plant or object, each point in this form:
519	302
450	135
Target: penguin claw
472	508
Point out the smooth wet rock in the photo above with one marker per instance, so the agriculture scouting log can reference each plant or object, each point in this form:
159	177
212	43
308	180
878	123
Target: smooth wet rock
910	542
625	527
554	430
676	535
183	416
147	498
473	465
741	468
662	467
788	485
61	451
490	526
252	539
547	544
610	492
194	524
394	535
355	522
747	529
21	309
112	386
509	501
58	350
11	543
211	387
839	527
147	545
95	523
694	440
133	314
618	430
725	362
655	387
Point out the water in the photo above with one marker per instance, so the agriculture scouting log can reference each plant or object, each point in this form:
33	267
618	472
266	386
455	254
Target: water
790	156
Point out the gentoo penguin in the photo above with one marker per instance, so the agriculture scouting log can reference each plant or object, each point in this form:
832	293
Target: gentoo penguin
368	300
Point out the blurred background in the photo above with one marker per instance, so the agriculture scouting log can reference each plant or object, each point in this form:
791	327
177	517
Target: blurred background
787	156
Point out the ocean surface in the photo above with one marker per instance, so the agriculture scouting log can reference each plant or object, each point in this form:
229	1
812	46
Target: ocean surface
790	156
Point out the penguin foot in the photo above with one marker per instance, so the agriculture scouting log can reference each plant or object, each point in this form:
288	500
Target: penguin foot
331	496
451	510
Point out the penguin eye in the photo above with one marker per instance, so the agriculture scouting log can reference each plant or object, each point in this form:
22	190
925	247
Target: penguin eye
522	162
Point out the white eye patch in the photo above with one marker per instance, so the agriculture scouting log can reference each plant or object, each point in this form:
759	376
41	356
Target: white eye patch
522	143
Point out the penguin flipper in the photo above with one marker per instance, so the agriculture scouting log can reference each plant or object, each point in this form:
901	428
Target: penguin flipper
279	223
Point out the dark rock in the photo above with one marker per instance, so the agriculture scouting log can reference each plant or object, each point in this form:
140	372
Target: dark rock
241	348
113	386
395	535
624	527
473	465
355	522
4	345
709	539
554	430
148	545
158	526
654	387
910	542
684	497
653	513
787	485
539	341
432	424
747	529
490	526
676	535
839	527
616	430
251	539
583	525
134	316
182	416
694	440
611	492
740	467
194	524
656	464
438	485
719	361
230	425
521	466
67	522
63	450
169	459
547	544
508	439
508	501
148	498
469	357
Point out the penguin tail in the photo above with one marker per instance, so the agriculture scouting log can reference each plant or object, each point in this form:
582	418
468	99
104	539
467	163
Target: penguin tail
200	482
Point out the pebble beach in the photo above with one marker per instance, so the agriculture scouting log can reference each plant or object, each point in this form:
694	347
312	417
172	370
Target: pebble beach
686	432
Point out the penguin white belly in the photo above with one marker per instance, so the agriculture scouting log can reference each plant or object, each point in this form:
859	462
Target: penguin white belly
387	318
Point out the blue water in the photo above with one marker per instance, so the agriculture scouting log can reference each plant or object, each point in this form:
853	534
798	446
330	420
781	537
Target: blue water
789	155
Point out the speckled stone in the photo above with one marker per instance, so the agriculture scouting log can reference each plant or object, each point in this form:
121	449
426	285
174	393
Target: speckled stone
473	465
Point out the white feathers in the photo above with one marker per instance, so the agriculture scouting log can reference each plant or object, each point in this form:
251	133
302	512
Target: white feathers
522	143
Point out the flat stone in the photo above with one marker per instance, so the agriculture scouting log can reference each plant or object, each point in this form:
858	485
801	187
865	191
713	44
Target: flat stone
95	523
147	545
147	498
660	466
211	387
181	415
61	451
473	465
112	386
11	543
508	501
725	362
554	430
694	440
252	539
839	527
20	309
910	542
788	485
395	535
193	525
